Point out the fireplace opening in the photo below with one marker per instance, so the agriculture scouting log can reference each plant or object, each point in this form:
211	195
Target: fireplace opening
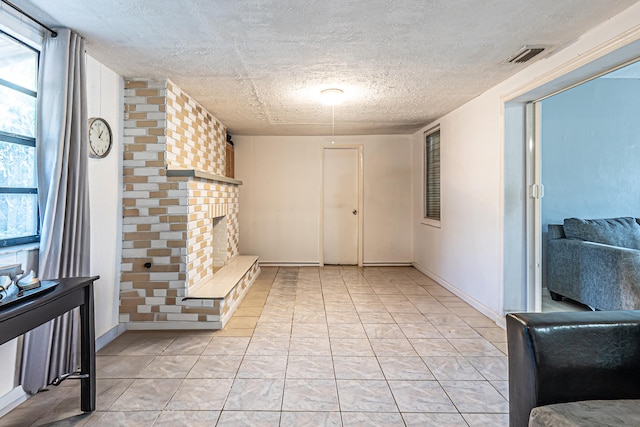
219	255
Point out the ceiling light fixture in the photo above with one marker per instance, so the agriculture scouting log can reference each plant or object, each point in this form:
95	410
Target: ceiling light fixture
333	96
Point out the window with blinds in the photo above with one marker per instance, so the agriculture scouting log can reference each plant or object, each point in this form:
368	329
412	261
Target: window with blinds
432	175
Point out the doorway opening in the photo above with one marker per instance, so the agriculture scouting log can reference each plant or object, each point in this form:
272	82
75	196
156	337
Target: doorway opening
523	177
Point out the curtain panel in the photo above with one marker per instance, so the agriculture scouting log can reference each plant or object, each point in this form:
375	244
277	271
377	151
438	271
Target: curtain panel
51	350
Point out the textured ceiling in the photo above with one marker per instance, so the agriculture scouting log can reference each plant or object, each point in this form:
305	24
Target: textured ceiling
259	65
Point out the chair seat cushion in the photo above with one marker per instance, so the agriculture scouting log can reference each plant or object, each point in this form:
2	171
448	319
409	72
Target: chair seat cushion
587	413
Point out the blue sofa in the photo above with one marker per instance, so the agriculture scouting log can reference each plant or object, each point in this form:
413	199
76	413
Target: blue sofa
595	262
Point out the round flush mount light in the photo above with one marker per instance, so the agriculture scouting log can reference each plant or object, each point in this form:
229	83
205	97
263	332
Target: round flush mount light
333	96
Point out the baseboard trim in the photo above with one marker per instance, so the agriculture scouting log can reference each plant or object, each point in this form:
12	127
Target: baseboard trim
110	335
498	319
387	264
12	400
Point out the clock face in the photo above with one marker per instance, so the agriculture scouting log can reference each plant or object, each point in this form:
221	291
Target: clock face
100	137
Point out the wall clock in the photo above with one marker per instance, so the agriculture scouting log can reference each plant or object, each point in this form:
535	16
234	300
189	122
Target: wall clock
100	138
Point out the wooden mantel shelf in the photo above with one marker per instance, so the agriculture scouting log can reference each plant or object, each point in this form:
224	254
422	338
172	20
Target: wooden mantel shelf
194	173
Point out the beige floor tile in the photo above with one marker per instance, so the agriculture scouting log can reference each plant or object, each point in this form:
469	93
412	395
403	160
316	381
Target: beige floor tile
452	368
482	420
215	367
249	419
146	394
255	395
434	419
351	347
433	347
421	396
124	419
200	395
309	346
308	419
392	347
227	346
242	322
475	396
187	345
357	368
362	419
310	367
383	330
121	366
365	396
168	367
187	418
263	367
310	395
404	368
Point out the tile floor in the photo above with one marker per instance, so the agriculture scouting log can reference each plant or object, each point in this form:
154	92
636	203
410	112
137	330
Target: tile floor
308	346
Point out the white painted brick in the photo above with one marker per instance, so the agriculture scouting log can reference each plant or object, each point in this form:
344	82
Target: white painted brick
146	172
145	108
170	309
177	210
148	202
172	235
155	301
134	253
163	276
140	220
190	317
144	309
135	194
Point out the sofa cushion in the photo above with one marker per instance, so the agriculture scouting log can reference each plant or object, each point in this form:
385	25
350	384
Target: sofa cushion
623	232
592	413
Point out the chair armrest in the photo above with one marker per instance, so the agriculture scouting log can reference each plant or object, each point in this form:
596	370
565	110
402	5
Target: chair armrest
565	357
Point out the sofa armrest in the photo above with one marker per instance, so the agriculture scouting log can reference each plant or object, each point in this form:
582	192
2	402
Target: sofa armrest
602	276
566	357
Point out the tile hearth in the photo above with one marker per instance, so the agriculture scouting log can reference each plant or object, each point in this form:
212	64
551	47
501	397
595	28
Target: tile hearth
335	346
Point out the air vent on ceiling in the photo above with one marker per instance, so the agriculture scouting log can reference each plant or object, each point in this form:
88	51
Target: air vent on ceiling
525	54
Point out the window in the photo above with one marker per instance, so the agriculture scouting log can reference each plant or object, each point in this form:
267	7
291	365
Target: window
18	181
432	175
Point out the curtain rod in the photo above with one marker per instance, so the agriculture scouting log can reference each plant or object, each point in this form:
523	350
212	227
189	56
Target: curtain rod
8	3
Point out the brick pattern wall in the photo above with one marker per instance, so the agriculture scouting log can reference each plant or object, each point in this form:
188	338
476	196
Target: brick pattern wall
195	139
166	219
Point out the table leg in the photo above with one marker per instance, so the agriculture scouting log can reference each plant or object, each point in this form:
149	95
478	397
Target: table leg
88	352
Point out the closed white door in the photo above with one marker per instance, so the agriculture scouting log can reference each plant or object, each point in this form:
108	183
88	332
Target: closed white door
340	195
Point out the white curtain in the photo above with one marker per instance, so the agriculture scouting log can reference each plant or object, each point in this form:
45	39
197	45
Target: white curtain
51	350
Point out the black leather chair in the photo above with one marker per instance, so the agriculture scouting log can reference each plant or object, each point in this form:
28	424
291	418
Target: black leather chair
569	357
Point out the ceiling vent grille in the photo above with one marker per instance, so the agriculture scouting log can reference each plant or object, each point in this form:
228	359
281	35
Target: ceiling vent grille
525	54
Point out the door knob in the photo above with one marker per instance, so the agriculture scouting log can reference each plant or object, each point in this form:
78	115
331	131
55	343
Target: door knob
355	212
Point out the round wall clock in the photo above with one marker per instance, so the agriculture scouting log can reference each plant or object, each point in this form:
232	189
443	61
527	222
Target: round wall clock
100	137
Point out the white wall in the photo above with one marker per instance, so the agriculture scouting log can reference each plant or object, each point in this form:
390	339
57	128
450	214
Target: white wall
105	90
467	253
280	198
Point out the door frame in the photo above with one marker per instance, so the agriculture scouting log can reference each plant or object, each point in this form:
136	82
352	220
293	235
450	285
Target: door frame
360	174
613	54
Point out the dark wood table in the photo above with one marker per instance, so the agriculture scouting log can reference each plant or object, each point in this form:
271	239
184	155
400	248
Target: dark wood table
21	316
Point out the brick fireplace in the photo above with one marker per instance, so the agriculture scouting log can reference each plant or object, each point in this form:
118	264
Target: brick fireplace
180	212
